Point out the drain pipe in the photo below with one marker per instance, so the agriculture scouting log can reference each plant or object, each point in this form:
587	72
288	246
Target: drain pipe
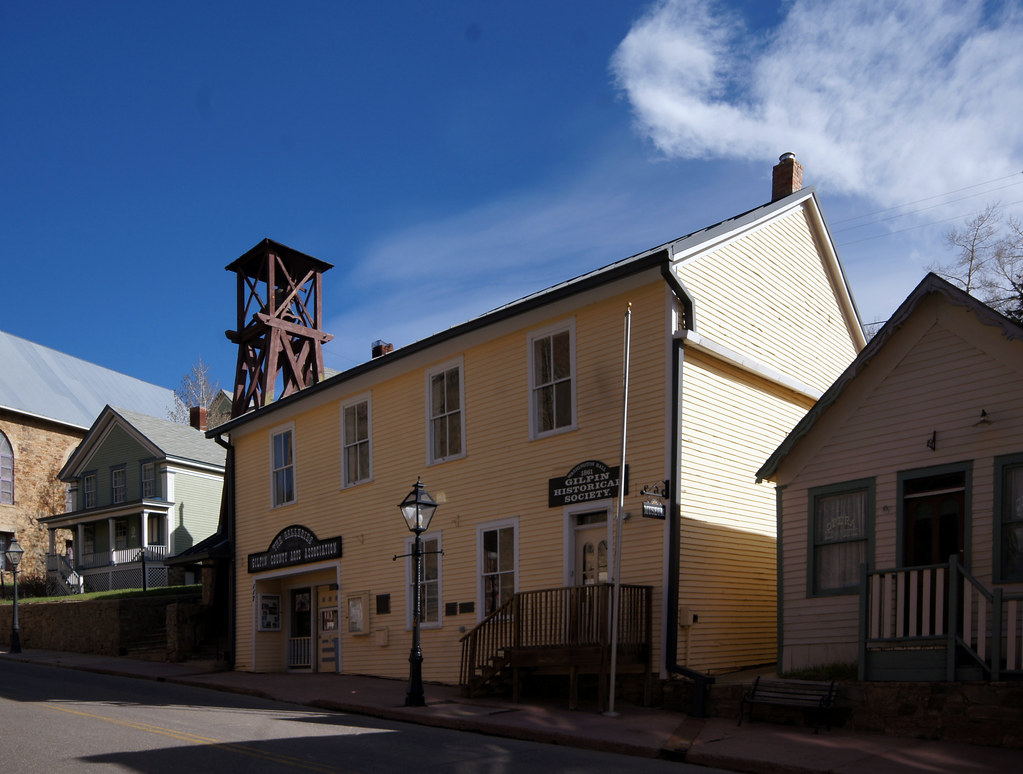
700	681
227	509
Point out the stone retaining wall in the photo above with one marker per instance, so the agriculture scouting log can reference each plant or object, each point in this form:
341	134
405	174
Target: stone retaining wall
107	627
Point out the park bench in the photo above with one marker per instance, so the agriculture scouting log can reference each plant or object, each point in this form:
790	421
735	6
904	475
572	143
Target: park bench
809	695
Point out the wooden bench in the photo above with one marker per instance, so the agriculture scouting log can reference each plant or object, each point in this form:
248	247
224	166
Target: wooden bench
807	694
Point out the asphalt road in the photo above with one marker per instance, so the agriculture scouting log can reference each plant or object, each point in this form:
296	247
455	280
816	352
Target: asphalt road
54	719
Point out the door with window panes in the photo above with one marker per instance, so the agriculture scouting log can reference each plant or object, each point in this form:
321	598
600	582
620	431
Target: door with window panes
590	548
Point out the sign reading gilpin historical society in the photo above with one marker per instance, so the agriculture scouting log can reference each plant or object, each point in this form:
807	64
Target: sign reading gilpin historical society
295	545
590	480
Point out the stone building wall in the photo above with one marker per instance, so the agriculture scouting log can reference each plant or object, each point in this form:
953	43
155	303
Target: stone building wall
40	450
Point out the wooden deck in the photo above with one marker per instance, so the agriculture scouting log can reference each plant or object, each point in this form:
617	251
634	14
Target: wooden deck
561	631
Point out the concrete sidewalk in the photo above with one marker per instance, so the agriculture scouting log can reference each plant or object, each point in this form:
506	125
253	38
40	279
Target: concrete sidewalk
716	742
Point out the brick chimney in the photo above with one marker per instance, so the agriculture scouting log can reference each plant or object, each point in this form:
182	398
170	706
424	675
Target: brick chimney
197	417
788	177
381	348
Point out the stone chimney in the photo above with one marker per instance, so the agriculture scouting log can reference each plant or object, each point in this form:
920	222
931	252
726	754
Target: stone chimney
197	417
381	348
788	177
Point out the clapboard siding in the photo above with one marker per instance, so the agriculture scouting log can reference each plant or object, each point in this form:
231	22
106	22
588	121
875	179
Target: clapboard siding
768	295
728	553
934	375
502	476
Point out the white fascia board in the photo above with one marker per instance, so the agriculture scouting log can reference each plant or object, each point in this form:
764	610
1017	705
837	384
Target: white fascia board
748	364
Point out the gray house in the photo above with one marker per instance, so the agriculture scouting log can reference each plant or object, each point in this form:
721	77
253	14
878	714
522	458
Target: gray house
140	489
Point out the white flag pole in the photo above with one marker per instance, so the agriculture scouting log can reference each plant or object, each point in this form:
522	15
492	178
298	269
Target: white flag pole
619	517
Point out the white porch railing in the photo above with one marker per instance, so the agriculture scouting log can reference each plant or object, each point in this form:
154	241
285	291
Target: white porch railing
123	568
942	608
299	652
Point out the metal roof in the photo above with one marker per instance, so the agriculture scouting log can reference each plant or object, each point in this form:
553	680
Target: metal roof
43	382
175	440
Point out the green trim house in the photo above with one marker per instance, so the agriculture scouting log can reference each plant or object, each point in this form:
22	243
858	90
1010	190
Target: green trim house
900	502
140	489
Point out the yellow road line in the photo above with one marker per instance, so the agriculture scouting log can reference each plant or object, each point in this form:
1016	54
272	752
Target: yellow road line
241	749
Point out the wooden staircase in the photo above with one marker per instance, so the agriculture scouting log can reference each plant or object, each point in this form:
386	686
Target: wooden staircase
560	631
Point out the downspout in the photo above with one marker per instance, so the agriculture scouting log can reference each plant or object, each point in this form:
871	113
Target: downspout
228	511
671	666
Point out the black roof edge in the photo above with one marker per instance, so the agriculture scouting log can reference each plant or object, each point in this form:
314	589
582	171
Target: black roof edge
658	257
930	284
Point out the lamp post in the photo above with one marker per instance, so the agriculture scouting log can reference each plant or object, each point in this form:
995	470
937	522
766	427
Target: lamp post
14	552
417	508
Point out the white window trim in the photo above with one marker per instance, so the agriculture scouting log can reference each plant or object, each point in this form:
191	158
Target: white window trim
409	547
86	492
512	522
458	363
151	481
550	330
294	465
116	490
366	398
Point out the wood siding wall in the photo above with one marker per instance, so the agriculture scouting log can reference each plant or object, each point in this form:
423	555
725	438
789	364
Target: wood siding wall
935	375
503	476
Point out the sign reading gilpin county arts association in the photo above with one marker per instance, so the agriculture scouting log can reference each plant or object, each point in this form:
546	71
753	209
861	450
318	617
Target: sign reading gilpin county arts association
590	480
295	545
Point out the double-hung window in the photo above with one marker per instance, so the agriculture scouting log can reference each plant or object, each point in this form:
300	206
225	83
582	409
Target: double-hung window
282	467
840	521
148	479
445	398
89	490
355	441
429	610
552	382
117	485
498	549
1009	518
6	471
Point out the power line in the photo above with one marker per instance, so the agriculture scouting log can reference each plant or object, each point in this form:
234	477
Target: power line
927	199
913	228
923	209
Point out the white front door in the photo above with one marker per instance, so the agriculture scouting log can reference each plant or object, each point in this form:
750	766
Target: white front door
590	530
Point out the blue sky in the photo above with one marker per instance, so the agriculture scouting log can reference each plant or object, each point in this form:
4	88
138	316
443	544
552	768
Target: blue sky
451	157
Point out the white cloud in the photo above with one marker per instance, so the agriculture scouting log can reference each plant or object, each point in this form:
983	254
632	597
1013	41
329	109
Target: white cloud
888	99
428	277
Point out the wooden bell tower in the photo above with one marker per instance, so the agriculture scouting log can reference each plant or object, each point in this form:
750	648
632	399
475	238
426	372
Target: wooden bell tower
280	300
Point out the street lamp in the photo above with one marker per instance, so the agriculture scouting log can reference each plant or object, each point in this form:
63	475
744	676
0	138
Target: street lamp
14	552
417	508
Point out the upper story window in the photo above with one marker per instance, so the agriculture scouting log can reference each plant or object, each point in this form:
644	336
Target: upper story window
841	517
149	479
445	398
6	471
552	367
355	442
282	467
1009	518
89	490
117	485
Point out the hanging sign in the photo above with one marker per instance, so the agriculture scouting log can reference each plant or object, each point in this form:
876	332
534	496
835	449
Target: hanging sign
590	480
295	545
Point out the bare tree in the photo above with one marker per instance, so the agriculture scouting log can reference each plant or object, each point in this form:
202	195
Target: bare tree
989	260
198	388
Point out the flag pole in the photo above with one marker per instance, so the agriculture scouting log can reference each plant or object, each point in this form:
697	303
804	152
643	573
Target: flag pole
619	517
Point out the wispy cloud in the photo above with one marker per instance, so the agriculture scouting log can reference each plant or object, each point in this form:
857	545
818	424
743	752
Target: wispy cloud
427	277
891	100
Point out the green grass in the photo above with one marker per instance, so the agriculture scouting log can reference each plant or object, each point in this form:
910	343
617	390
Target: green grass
118	594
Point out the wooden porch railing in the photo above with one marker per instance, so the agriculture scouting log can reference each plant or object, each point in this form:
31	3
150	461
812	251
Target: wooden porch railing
941	607
573	616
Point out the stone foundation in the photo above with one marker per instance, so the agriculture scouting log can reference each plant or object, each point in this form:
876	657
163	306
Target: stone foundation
976	713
